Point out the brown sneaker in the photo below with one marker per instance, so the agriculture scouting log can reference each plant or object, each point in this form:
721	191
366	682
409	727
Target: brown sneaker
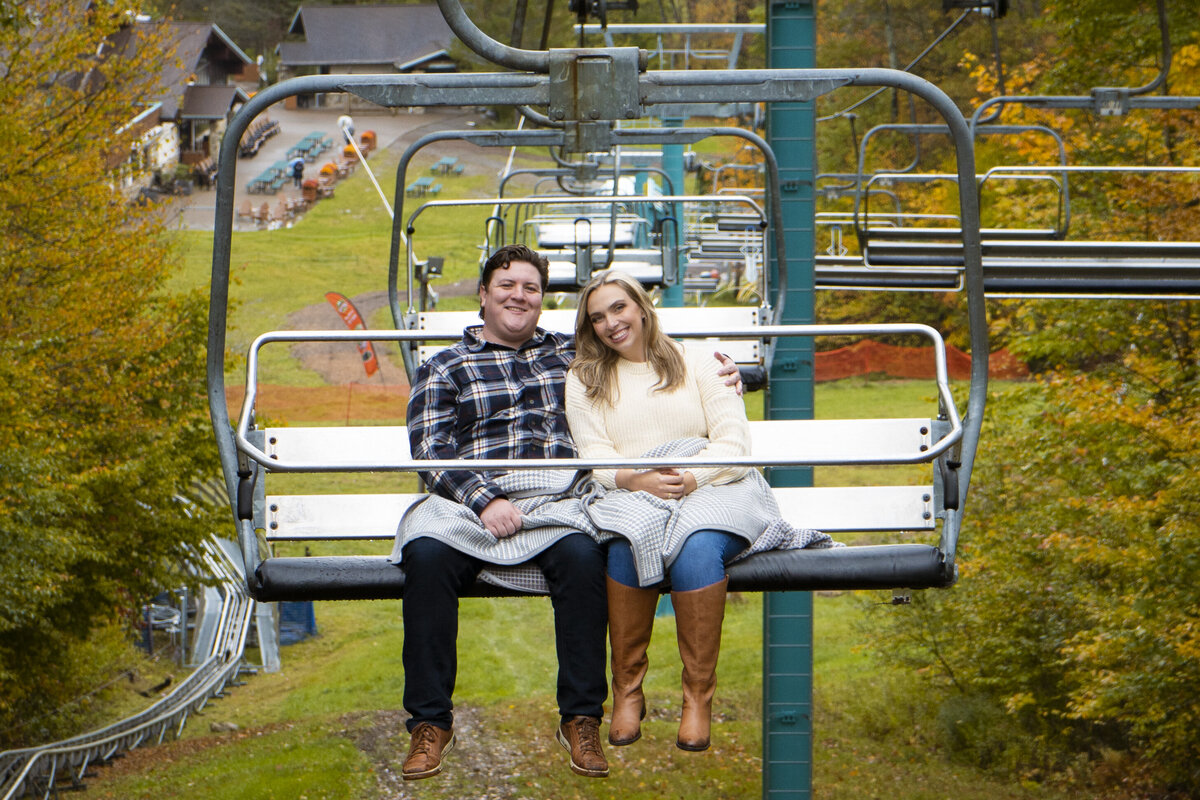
428	744
581	737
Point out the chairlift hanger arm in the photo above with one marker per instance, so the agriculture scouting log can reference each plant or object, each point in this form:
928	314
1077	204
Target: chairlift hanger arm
1105	101
532	138
494	51
611	200
802	85
917	130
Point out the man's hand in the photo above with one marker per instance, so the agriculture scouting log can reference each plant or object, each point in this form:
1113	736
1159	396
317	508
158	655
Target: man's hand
729	371
501	518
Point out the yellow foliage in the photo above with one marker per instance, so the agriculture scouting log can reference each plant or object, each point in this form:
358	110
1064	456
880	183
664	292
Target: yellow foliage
102	418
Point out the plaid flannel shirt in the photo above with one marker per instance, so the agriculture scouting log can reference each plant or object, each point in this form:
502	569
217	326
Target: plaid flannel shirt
477	399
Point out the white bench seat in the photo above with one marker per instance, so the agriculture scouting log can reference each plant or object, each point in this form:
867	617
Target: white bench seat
309	517
859	441
894	512
374	517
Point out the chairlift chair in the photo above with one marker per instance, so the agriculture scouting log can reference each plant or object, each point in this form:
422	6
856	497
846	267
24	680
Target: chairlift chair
945	441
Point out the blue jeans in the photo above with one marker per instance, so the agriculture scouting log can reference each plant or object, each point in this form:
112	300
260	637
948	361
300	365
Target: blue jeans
701	561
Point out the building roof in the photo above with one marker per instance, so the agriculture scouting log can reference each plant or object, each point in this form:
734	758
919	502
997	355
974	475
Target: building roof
363	35
196	43
210	102
197	54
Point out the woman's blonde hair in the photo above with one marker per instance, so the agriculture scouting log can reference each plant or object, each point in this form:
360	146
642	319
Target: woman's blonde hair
595	362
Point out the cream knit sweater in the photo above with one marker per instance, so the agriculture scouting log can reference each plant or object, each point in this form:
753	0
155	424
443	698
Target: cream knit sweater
642	418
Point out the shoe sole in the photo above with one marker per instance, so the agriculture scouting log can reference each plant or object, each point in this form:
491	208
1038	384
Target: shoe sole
429	773
578	770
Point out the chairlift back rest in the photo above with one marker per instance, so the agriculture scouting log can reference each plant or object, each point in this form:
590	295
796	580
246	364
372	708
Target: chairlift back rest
375	517
954	235
678	320
566	233
1080	254
644	266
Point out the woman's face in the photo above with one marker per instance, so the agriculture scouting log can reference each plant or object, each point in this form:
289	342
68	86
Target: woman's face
618	321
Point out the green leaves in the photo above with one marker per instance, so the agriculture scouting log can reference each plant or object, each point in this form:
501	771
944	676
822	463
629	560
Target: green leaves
102	413
1075	616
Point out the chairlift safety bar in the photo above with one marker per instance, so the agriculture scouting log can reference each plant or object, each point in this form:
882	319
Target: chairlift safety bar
275	464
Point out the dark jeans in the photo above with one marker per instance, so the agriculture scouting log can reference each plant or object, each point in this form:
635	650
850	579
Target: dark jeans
435	574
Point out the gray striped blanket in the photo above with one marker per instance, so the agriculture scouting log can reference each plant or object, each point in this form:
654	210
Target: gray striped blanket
555	503
551	506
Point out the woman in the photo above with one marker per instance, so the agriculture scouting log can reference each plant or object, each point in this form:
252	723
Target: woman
629	389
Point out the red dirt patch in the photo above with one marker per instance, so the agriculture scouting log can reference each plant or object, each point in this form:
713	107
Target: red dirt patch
344	404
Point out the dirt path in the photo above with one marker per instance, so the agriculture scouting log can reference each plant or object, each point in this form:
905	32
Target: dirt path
479	766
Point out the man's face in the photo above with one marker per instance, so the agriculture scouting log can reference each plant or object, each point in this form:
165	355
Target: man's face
511	304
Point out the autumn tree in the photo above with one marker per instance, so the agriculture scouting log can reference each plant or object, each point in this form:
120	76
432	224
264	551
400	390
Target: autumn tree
1069	645
102	421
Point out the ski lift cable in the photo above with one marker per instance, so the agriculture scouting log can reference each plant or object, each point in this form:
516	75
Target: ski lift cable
1107	100
910	65
362	159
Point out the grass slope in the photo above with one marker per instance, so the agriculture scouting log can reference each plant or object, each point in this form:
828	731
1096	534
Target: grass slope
329	724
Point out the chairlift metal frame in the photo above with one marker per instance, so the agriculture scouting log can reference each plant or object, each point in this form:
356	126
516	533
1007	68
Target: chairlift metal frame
627	92
862	196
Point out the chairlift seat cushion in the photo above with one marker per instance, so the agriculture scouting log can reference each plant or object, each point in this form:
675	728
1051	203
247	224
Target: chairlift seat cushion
896	566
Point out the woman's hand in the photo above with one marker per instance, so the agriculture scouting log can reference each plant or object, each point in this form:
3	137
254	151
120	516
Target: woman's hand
666	483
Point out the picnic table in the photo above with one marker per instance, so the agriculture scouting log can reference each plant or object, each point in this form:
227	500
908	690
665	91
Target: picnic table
444	165
310	146
418	187
269	180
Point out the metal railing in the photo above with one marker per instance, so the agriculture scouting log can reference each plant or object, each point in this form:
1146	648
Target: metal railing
251	451
45	770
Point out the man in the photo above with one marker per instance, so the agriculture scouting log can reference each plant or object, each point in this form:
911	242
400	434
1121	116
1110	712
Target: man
497	393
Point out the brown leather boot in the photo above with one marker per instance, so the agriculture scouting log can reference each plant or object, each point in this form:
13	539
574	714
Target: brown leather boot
630	622
425	750
581	738
698	617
